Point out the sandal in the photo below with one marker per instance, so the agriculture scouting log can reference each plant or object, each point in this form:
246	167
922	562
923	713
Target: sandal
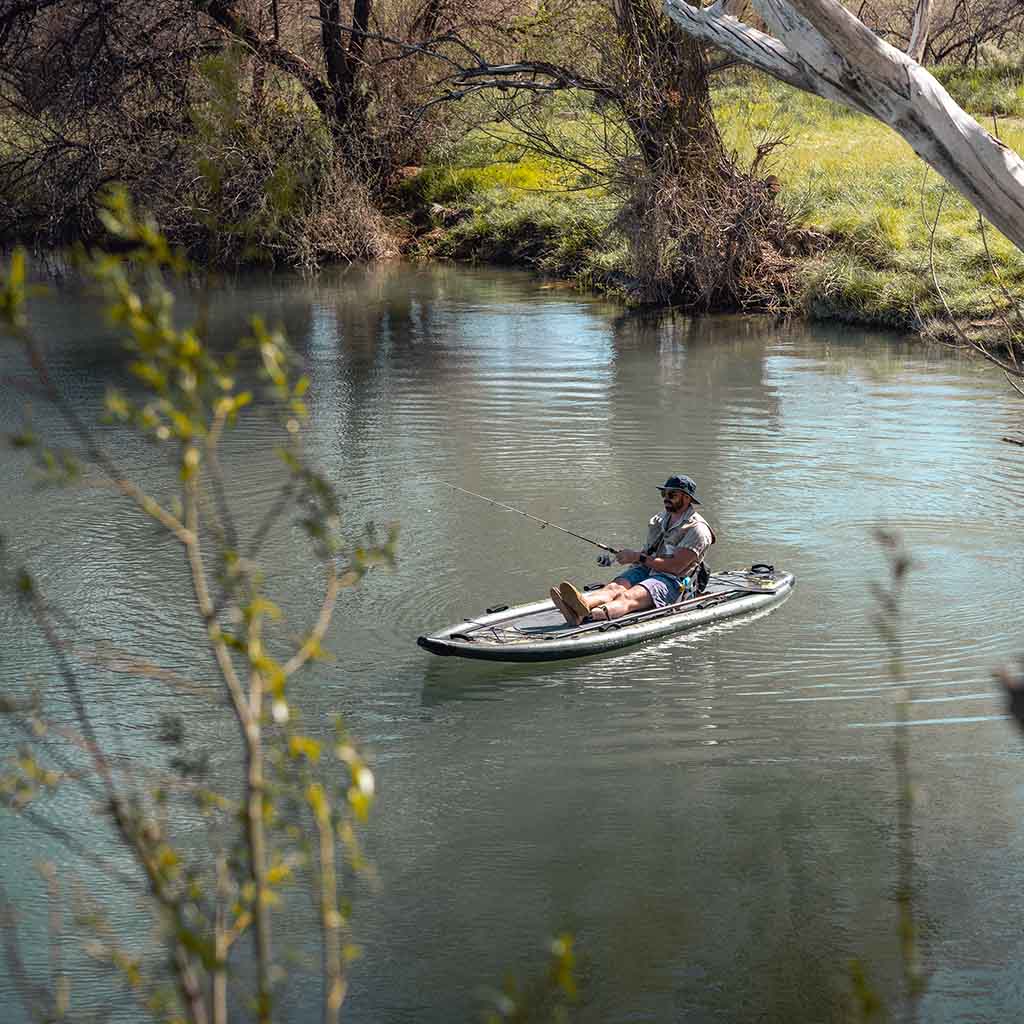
571	617
573	600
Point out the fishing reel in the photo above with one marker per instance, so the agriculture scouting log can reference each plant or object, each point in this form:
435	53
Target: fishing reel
605	560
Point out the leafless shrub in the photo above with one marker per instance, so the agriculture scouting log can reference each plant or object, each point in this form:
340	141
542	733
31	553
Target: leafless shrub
89	93
715	242
960	29
263	182
343	223
238	159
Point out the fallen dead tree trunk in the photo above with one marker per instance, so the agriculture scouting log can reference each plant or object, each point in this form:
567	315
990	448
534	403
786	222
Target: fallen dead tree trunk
820	47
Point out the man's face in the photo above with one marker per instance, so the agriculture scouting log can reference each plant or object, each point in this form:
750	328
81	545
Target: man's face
675	501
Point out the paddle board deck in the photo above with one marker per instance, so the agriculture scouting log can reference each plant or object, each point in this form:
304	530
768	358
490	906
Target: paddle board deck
537	632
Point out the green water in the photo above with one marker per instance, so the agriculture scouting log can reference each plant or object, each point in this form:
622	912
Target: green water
713	815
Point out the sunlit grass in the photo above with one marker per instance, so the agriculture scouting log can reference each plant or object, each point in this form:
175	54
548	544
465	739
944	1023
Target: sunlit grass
497	157
856	181
843	175
456	184
556	234
995	88
514	206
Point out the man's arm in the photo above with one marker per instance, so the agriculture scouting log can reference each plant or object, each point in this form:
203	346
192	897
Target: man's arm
679	563
627	556
630	556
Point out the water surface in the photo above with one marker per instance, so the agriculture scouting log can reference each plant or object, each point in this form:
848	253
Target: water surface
712	815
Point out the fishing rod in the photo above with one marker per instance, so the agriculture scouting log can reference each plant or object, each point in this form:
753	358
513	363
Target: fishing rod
536	519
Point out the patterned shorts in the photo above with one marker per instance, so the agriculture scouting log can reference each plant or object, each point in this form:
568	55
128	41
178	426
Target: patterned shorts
663	588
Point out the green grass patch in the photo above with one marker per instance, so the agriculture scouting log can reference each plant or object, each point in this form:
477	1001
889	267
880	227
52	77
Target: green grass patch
856	181
555	233
843	175
494	201
454	183
994	88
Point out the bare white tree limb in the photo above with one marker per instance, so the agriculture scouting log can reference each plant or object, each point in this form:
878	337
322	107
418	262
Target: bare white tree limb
820	47
920	31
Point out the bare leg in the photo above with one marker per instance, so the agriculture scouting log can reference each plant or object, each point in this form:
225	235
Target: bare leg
609	592
633	599
576	605
612	601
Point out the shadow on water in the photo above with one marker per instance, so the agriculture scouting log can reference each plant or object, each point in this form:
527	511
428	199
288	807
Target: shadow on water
459	679
453	679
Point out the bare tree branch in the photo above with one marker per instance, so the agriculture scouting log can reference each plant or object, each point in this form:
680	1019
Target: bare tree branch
919	32
820	47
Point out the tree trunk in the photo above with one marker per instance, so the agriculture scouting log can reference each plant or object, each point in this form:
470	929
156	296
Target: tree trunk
670	115
822	48
920	31
341	98
428	19
344	62
698	226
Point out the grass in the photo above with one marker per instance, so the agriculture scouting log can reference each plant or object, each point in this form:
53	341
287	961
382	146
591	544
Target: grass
555	234
995	88
844	176
504	205
454	184
854	180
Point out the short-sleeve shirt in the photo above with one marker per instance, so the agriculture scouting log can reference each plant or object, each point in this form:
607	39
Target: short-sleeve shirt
692	532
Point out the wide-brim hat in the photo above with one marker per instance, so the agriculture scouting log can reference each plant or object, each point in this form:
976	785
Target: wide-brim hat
684	484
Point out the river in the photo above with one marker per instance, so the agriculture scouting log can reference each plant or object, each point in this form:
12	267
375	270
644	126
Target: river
712	816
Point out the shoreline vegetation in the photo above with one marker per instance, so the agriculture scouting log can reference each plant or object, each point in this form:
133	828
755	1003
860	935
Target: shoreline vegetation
868	218
865	219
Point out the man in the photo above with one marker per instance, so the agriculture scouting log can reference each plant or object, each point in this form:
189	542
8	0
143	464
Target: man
669	569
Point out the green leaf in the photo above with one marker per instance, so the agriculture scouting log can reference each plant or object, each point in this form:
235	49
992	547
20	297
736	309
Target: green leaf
278	873
202	947
359	802
304	746
16	275
263	606
183	425
316	798
117	405
149	374
12	291
189	462
111	222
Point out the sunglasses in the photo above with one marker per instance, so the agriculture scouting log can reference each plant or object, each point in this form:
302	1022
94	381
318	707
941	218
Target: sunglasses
671	494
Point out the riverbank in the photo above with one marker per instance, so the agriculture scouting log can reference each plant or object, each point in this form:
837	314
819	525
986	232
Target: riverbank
870	219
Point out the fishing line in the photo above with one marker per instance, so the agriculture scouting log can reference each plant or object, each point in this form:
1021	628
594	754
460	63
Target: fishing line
536	519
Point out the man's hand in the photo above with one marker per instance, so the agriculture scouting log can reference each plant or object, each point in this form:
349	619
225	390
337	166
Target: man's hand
626	556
